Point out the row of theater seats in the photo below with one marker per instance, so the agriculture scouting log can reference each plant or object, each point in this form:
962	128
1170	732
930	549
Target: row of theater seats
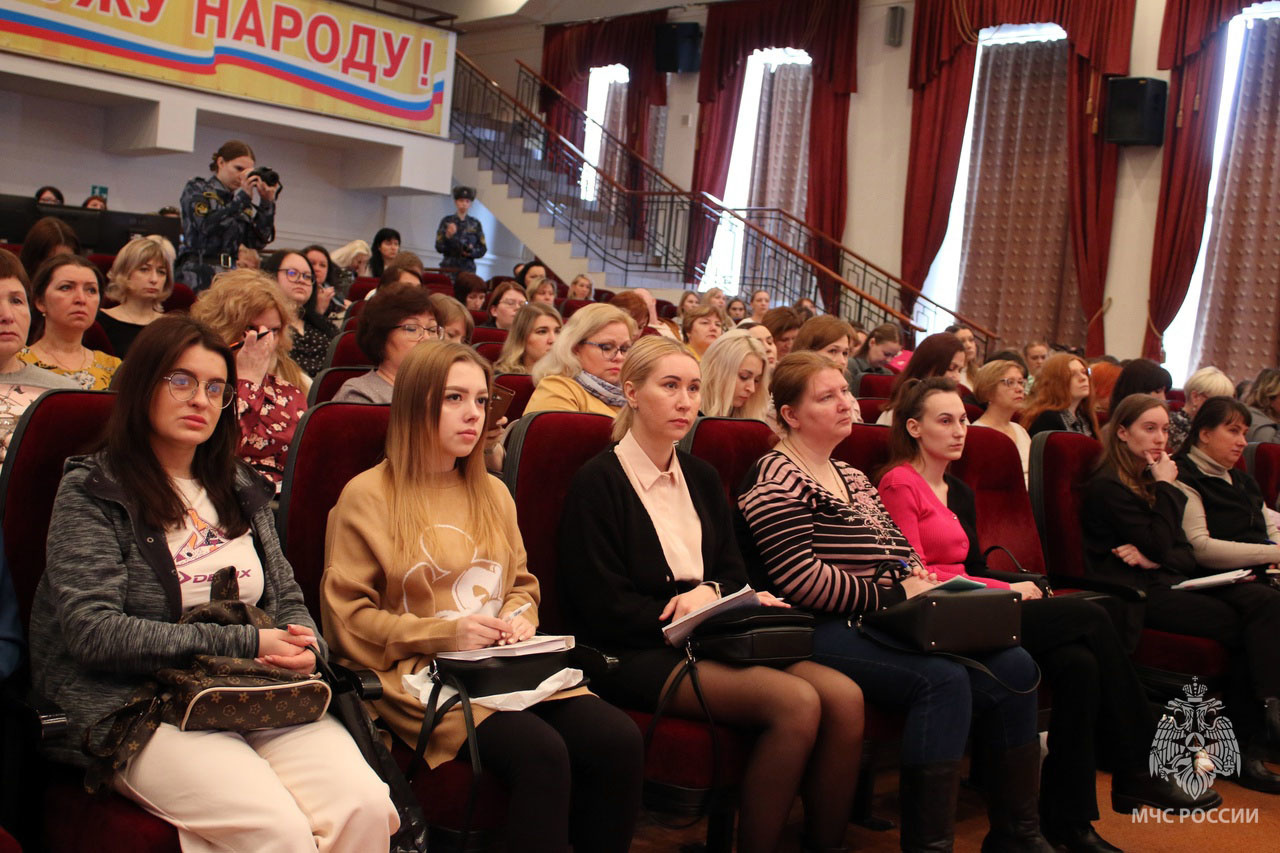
1040	530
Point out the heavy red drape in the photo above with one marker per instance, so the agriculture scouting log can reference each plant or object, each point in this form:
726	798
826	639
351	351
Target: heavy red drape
1192	44
828	31
570	51
1099	33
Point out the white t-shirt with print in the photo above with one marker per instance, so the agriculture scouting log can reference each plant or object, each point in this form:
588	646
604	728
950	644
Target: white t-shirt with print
199	550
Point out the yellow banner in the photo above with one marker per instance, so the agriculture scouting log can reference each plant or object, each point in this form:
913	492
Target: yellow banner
309	54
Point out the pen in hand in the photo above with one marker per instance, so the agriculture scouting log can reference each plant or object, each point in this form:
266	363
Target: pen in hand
517	612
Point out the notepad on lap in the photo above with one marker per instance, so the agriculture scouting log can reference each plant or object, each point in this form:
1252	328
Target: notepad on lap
535	645
1210	581
678	631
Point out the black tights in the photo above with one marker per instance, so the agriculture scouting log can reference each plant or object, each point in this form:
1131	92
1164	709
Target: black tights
808	719
570	766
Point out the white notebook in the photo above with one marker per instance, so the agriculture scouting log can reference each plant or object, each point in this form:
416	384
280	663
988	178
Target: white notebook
678	631
1210	581
535	645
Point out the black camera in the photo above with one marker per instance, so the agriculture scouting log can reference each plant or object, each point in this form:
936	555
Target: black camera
269	176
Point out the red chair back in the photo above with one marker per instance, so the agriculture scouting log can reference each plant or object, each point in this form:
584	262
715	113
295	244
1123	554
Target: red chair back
102	262
429	278
731	445
666	309
345	352
571	305
329	381
1262	461
95	337
354	311
479	318
875	385
866	448
1061	463
1176	395
490	350
544	451
333	443
181	299
602	295
361	287
442	288
60	423
871	407
519	384
483	334
992	467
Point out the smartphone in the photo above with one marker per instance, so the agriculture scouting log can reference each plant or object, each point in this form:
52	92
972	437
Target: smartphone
499	401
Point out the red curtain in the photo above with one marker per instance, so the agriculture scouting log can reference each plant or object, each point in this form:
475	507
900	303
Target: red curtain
828	31
1192	45
1099	33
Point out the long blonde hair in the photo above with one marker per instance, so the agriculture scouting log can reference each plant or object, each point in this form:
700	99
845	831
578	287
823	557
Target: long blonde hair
585	322
235	298
640	364
720	365
134	254
511	359
413	441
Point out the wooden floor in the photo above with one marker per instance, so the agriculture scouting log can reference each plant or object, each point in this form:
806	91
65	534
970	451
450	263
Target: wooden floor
1121	830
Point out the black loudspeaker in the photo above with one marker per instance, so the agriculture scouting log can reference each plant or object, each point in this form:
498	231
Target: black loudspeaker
679	47
1135	110
894	22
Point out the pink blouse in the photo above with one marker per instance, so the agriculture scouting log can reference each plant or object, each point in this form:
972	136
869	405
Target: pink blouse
931	528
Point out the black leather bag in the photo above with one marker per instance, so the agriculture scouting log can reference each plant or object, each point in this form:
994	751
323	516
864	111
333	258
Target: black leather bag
755	636
963	622
495	675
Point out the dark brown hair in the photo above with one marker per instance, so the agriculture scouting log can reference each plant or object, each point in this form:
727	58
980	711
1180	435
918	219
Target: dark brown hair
387	309
779	321
40	283
820	332
11	267
931	358
230	150
903	447
45	236
1212	414
1117	458
882	334
132	461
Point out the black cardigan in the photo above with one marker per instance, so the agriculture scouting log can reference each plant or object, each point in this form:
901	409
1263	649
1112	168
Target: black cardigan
1052	420
1114	515
615	580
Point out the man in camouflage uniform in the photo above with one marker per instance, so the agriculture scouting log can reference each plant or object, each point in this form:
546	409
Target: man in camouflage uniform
460	238
217	221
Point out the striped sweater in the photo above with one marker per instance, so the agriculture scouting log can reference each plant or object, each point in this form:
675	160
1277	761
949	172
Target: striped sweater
816	550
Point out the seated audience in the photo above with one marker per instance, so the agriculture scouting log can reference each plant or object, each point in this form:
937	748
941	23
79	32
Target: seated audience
20	383
65	291
385	247
504	303
971	360
784	324
395	321
1132	521
581	372
1001	387
1095	688
400	271
1035	353
1062	398
246	310
1010	355
456	320
735	373
581	288
859	336
759	305
716	299
140	281
664	327
761	333
1263	400
310	331
633	304
329	303
1103	376
873	356
737	310
1140	376
532	274
827	335
819	532
806	308
352	261
941	354
1200	386
543	291
105	619
471	290
432	503
531	337
700	327
647	537
49	195
95	202
47	237
688	300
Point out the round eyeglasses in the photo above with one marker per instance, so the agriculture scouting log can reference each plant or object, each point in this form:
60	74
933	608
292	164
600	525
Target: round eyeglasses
183	387
417	333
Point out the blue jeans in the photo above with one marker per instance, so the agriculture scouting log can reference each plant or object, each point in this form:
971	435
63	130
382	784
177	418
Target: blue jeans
939	696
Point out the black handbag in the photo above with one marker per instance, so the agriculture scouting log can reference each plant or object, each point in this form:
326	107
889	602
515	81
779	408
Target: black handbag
755	636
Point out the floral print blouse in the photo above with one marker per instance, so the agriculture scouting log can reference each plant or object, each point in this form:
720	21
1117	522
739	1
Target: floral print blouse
94	376
269	413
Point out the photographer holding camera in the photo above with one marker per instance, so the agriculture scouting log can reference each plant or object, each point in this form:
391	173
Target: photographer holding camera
219	214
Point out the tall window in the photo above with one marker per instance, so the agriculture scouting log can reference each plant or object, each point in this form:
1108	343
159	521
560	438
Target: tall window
1005	259
768	168
606	107
1229	316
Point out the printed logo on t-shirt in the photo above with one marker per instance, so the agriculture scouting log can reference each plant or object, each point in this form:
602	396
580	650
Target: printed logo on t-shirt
205	541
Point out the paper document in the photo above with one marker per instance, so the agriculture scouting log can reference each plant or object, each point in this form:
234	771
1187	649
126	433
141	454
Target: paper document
678	631
960	582
1210	581
535	645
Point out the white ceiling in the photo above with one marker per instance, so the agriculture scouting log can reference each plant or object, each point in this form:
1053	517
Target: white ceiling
479	15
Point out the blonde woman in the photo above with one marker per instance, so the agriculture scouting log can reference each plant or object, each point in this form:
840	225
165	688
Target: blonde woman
581	372
1263	401
352	261
248	312
1002	387
139	282
543	290
531	338
1200	386
716	299
431	503
735	378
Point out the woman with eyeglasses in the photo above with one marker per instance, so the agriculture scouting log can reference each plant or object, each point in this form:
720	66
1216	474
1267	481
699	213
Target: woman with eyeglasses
247	310
396	320
504	304
581	372
177	507
1062	398
1002	385
310	331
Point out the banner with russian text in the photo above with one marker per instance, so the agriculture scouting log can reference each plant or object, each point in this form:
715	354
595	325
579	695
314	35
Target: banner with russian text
308	54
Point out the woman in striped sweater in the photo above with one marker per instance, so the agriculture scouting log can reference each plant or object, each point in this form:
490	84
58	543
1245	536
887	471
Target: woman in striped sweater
819	532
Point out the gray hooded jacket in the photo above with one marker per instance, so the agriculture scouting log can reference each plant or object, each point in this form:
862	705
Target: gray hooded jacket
106	610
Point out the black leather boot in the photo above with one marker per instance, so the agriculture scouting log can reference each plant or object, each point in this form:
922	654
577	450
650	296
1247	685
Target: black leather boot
1076	837
1132	792
1254	774
1271	721
1013	802
927	793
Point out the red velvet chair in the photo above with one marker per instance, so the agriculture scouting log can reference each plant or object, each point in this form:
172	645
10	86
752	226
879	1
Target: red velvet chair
353	313
875	385
361	287
602	295
866	448
544	451
430	277
9	844
490	350
479	318
442	288
59	424
731	445
329	380
333	443
95	337
1061	463
102	262
992	467
569	306
345	352
870	408
488	333
519	384
1262	461
181	299
666	309
1176	395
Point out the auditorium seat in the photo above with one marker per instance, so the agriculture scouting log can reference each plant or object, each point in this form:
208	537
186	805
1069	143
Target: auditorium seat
345	352
314	477
436	277
488	333
992	467
602	295
569	306
102	261
874	385
59	424
519	384
329	380
479	318
666	309
1061	463
731	446
95	337
353	313
866	448
544	452
361	286
489	350
870	408
181	299
1262	461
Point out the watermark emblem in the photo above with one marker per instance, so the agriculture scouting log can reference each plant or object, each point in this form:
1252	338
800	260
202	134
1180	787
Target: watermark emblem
1194	742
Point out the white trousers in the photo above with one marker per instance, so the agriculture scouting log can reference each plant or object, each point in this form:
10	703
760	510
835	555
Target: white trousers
299	789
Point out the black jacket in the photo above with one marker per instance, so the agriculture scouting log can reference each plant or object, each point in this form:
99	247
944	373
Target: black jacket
1114	515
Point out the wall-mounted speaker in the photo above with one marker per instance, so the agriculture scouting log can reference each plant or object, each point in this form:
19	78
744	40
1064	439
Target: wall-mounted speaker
1135	110
679	47
893	25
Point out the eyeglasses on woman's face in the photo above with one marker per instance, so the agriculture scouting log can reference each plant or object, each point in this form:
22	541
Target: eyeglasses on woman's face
1012	382
610	351
298	275
418	332
183	387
